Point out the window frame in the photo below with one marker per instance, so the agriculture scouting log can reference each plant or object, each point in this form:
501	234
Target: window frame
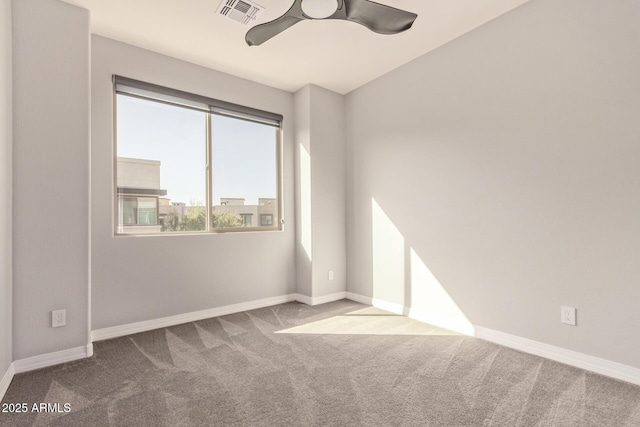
215	107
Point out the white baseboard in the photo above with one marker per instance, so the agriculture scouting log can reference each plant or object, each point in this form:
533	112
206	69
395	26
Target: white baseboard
377	302
562	355
42	361
148	325
359	298
6	380
390	306
50	359
320	300
304	299
558	354
455	325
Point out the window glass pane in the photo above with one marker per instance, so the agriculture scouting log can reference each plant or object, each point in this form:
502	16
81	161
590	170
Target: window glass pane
147	211
161	155
244	171
266	220
129	211
247	220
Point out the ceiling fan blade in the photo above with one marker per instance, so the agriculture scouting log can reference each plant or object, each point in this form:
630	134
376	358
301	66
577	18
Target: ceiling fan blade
378	17
263	32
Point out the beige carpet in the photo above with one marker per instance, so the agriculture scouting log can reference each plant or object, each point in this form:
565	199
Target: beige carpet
338	364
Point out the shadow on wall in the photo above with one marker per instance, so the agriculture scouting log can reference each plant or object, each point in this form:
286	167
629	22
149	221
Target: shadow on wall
402	281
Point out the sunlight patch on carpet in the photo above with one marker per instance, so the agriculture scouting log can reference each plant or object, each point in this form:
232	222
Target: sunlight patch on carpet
368	321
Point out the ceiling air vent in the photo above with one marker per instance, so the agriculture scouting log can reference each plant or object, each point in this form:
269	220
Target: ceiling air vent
242	11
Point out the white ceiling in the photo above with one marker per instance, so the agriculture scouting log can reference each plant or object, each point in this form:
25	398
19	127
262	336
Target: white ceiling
337	55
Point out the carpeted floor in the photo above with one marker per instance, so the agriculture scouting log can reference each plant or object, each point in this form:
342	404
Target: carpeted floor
337	364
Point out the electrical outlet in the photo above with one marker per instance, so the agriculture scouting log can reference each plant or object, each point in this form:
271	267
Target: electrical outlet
568	315
330	274
58	318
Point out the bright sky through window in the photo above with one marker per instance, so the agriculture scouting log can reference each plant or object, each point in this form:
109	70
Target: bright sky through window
243	166
172	135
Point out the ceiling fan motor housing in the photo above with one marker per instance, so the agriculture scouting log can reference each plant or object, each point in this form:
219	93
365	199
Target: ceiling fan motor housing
319	9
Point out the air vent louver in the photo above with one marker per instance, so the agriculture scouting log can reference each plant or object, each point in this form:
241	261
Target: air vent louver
241	11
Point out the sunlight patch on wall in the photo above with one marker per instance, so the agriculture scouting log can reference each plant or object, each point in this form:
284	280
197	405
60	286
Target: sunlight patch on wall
305	200
388	257
431	302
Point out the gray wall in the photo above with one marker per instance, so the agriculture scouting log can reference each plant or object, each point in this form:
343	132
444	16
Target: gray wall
321	191
144	278
304	235
502	172
6	155
328	190
51	175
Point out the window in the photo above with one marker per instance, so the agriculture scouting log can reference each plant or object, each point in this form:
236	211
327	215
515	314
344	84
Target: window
186	163
266	220
138	210
246	220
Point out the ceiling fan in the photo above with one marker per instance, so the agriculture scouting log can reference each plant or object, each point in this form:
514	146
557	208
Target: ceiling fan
375	16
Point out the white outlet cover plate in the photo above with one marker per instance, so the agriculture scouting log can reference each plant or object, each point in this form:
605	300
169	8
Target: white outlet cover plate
568	315
58	318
